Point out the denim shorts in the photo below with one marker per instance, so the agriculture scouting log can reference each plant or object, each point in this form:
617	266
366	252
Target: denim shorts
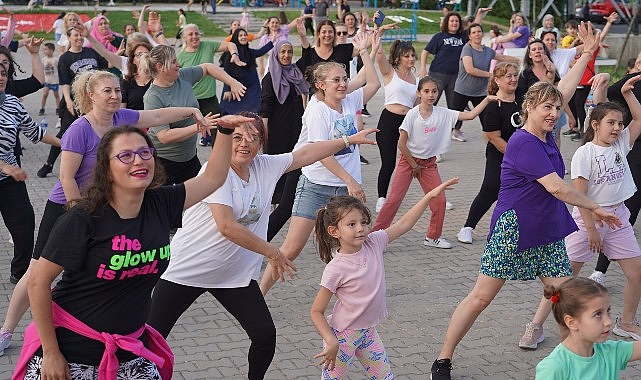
310	197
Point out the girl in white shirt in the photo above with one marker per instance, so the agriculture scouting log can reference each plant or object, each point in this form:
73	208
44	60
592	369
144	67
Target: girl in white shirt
600	170
424	134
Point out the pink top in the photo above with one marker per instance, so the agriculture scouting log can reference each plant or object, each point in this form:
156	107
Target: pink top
358	281
158	352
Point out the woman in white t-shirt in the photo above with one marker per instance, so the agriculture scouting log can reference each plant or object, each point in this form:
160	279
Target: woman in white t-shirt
222	242
58	27
330	113
601	171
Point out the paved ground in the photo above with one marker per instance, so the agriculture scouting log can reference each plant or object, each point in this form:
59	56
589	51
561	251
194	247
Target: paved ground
424	286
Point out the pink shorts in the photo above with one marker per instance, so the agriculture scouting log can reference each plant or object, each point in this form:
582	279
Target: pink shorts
619	243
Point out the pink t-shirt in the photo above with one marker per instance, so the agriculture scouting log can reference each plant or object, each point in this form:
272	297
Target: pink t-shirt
358	281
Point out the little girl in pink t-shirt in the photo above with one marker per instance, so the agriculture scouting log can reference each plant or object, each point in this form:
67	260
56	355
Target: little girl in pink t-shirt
355	274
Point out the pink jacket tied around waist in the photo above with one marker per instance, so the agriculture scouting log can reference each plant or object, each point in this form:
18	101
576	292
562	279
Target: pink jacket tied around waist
158	352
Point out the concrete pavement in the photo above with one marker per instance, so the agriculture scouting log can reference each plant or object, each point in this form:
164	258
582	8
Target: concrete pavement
424	286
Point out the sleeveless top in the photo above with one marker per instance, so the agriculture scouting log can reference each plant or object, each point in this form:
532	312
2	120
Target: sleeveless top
398	91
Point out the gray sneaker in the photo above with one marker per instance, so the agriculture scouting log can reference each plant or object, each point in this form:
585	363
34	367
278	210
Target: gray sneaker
532	337
5	340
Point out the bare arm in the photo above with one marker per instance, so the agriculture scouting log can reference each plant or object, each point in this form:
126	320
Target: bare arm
506	58
317	314
54	365
594	238
609	20
38	70
66	93
69	165
409	219
422	71
495	139
114	59
468	64
469	115
568	83
635	107
237	89
302	34
162	116
386	69
318	150
372	83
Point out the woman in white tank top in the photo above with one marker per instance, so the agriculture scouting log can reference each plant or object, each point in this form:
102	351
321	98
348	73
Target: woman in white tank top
400	83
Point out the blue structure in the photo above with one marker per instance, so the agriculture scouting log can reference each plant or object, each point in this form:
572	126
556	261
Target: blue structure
403	34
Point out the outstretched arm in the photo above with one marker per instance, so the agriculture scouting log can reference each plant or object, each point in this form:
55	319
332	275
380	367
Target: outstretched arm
409	219
634	105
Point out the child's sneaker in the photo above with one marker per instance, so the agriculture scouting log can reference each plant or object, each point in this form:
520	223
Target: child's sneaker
598	277
41	112
532	337
437	243
5	340
632	329
441	369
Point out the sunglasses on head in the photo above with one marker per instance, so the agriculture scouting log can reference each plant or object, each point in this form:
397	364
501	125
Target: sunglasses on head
341	33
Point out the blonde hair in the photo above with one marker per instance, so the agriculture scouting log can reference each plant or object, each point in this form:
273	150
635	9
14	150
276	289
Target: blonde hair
161	54
318	73
499	72
539	93
84	83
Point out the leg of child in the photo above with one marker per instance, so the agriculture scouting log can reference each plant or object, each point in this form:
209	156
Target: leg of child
372	355
400	184
45	95
429	179
56	96
347	341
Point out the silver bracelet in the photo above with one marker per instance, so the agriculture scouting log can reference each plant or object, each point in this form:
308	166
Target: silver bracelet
345	140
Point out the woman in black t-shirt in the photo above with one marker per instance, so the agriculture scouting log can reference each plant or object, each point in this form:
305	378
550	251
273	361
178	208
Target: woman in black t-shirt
113	247
499	121
137	81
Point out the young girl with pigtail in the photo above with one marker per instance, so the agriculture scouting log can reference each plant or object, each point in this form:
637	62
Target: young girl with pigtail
582	307
355	274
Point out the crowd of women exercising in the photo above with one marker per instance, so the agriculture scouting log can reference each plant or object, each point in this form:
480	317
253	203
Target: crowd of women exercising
135	211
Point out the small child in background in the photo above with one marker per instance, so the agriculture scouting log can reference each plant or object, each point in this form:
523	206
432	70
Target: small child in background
50	64
424	134
571	38
582	309
355	274
245	19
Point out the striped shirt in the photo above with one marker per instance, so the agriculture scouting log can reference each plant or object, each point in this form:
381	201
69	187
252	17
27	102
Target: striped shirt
14	118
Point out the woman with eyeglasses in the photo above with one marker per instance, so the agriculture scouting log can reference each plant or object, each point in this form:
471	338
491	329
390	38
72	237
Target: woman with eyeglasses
172	86
399	81
97	95
330	113
221	245
113	247
74	61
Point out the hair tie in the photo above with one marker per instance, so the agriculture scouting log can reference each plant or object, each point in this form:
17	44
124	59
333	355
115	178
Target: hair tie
555	297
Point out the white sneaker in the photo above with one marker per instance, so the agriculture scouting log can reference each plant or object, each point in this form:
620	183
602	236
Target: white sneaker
437	243
448	205
458	135
598	277
439	158
379	204
465	235
5	340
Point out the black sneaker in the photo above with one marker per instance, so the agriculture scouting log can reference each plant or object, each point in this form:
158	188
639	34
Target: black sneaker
365	113
578	137
41	112
364	161
44	170
441	369
14	279
570	133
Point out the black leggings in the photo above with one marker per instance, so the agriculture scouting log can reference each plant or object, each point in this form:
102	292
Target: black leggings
460	102
283	212
577	105
387	141
179	172
489	192
19	218
247	305
52	212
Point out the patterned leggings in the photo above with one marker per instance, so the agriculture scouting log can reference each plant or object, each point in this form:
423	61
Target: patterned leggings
367	347
136	369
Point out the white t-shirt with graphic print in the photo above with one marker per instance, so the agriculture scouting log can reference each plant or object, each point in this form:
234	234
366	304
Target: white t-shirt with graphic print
321	123
606	169
200	255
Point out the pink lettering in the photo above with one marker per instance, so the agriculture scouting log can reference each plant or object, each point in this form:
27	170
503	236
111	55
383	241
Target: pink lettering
121	243
147	269
427	130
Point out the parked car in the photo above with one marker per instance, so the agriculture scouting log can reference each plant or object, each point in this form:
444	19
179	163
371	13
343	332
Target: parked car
602	8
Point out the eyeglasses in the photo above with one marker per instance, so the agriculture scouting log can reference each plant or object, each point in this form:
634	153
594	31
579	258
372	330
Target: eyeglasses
140	54
129	156
338	81
239	137
341	33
